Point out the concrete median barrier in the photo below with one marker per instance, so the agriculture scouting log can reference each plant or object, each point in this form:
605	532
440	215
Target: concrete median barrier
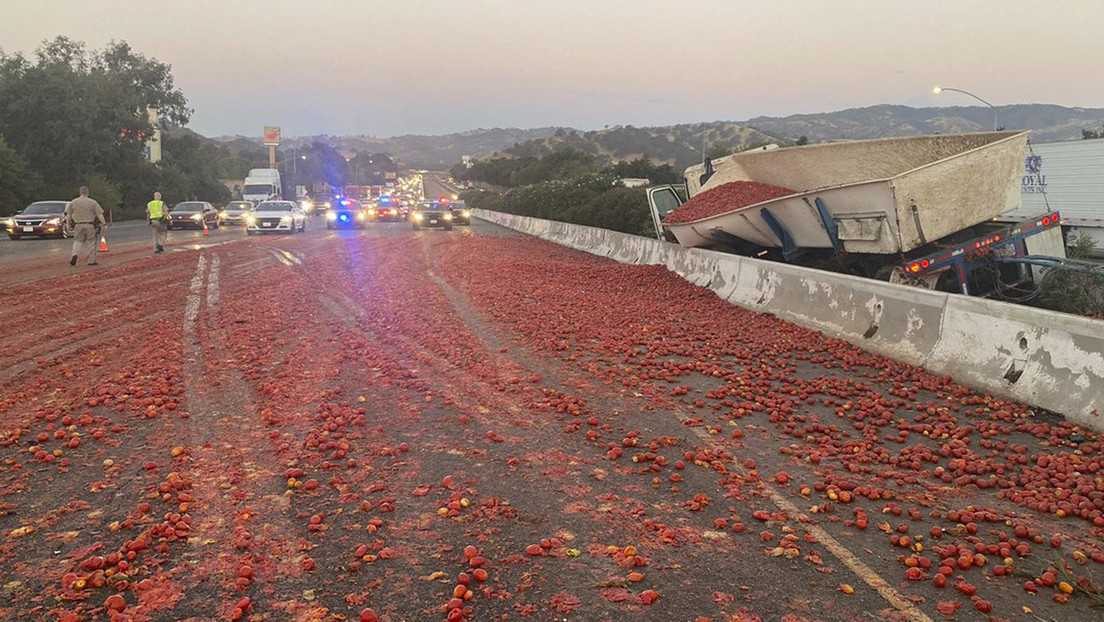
1045	359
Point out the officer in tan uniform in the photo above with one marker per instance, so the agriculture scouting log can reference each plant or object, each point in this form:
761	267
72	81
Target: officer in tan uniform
85	217
158	217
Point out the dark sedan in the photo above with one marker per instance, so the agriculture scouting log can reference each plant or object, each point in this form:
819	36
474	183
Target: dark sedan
460	213
42	218
193	214
431	214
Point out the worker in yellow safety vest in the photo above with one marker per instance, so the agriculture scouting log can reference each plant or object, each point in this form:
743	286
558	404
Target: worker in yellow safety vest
158	216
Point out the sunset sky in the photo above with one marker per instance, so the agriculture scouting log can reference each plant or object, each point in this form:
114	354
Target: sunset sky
429	66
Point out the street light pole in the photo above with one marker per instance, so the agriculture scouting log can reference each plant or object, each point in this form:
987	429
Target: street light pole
939	89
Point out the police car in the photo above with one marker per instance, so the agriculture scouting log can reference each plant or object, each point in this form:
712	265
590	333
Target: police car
346	212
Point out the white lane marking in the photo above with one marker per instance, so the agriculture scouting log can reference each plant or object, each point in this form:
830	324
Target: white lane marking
284	257
191	307
213	284
835	547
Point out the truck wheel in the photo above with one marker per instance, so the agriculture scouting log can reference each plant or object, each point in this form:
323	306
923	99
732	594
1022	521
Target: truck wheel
14	237
249	232
415	226
448	227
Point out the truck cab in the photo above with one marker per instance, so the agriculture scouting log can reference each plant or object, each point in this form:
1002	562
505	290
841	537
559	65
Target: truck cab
261	184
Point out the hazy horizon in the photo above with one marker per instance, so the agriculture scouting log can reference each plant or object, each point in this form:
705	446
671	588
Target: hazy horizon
431	67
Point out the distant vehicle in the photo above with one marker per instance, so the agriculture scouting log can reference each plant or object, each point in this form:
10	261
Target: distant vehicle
193	214
276	217
461	215
390	210
356	192
346	213
431	214
235	212
42	218
322	202
261	184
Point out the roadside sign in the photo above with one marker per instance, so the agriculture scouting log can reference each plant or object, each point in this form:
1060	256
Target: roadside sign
272	135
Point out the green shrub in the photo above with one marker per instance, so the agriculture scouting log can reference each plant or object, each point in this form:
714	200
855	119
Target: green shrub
594	200
1081	293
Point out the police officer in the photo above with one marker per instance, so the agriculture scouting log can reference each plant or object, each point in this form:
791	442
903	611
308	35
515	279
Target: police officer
158	221
86	218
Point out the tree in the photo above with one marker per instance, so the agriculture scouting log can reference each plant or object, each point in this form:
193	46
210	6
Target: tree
802	140
563	164
194	166
71	113
1090	134
108	194
718	151
18	183
1073	291
644	168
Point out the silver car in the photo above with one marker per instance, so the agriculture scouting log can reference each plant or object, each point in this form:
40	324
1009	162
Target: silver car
235	212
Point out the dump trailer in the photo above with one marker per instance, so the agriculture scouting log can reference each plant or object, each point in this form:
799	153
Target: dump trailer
917	210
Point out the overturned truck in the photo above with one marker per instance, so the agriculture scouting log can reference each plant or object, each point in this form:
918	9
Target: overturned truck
917	210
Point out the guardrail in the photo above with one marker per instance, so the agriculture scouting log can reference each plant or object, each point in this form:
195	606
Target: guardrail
1042	358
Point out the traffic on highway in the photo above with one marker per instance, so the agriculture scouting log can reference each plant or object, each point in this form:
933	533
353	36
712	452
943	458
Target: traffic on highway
43	231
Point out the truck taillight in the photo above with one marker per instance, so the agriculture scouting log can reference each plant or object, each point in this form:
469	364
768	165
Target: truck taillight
925	263
914	267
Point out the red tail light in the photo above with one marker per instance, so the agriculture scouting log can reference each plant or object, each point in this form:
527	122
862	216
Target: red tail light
915	267
925	263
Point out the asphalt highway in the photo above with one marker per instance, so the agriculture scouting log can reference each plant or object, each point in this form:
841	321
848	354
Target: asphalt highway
477	425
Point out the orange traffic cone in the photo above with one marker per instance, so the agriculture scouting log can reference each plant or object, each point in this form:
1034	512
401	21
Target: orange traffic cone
103	244
205	230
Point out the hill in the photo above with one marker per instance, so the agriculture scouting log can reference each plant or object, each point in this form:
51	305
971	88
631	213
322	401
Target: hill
1047	122
415	151
681	145
678	145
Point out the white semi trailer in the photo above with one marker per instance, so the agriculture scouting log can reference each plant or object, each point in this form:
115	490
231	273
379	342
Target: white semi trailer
1067	177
